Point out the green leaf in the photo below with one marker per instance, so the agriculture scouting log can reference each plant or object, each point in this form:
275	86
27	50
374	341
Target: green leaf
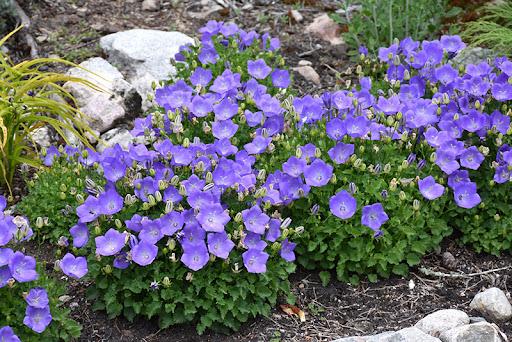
325	277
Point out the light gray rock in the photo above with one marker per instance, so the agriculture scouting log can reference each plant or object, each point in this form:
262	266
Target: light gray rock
442	320
117	101
118	135
144	56
473	55
492	303
151	5
411	334
476	332
41	136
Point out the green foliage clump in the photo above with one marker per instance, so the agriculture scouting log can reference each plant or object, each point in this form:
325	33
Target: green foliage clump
493	29
213	298
378	22
62	328
52	198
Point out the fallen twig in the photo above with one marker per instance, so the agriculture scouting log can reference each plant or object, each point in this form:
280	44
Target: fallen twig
24	20
429	272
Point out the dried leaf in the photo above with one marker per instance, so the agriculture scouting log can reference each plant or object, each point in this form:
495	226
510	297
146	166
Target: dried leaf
292	310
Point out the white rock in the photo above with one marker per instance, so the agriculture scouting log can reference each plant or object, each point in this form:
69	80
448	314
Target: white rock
492	303
442	320
411	334
308	73
296	16
41	136
116	102
144	56
119	136
151	5
476	332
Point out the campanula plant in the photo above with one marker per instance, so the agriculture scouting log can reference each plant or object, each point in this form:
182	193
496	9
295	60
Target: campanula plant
230	85
54	193
179	232
28	297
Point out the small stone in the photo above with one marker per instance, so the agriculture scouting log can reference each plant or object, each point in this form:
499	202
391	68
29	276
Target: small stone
325	28
411	334
308	73
442	320
64	298
115	136
476	332
42	38
151	5
295	16
41	136
304	62
492	303
449	260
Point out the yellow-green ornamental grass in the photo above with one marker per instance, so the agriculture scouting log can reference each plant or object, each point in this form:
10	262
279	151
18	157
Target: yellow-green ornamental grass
30	99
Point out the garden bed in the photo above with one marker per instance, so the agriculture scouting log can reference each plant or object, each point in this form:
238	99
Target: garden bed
336	310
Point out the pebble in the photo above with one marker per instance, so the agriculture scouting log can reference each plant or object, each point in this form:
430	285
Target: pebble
308	73
151	5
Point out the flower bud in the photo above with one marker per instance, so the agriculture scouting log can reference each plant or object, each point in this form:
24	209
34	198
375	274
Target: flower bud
63	187
169	206
261	174
387	168
166	282
402	195
158	196
209	177
318	152
62	195
172	257
298	152
416	205
333	179
39	222
286	223
175	180
118	223
497	217
107	269
352	188
433	157
186	142
358	163
146	206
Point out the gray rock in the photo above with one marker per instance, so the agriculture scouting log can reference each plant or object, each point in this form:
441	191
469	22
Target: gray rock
442	320
476	332
151	5
411	334
41	136
473	55
492	303
118	135
144	56
118	100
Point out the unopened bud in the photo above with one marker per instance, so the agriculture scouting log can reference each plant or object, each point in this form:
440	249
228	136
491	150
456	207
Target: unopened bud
416	205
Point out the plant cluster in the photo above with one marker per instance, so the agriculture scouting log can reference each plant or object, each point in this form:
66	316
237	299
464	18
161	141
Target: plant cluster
22	282
194	224
178	229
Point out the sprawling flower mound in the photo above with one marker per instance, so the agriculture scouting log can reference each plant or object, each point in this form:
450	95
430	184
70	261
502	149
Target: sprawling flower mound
198	222
28	309
180	233
463	113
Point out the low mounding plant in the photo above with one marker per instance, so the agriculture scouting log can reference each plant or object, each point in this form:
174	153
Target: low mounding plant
493	29
29	99
178	231
28	297
52	195
376	23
